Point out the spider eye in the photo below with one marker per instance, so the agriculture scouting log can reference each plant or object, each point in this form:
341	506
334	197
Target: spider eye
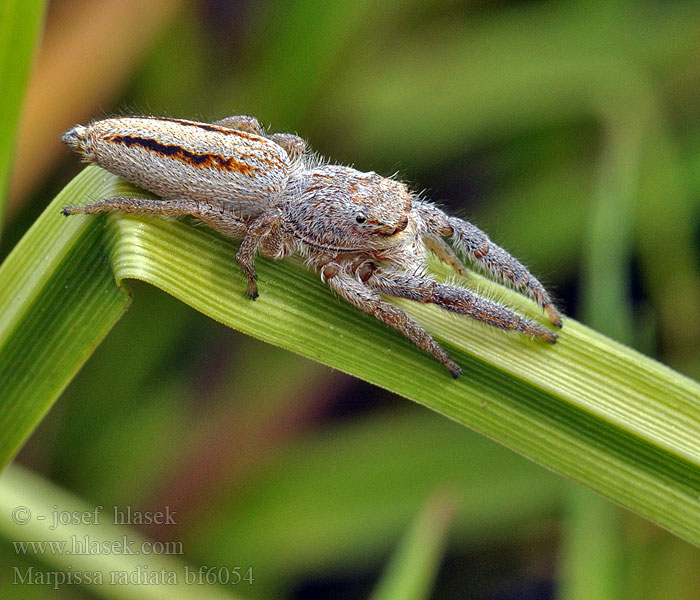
360	217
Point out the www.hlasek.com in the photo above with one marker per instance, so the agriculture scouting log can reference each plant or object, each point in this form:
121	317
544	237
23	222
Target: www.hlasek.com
86	545
139	575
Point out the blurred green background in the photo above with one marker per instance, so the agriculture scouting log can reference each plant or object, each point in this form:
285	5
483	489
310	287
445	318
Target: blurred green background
569	131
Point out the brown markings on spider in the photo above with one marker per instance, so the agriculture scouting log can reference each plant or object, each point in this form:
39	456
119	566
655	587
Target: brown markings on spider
368	236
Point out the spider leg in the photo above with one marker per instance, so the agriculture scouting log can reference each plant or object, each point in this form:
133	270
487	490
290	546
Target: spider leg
293	145
367	300
241	123
458	300
473	242
443	251
218	215
264	231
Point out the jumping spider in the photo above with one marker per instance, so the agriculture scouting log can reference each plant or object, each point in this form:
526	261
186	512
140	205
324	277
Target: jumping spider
367	235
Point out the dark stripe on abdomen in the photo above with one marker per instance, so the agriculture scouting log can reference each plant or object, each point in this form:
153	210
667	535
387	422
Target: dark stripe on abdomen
202	161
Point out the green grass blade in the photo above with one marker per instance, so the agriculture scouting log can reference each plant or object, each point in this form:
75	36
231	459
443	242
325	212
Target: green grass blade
587	407
20	23
414	566
593	546
58	299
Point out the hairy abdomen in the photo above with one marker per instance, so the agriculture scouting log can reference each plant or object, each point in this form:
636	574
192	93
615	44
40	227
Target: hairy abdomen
173	158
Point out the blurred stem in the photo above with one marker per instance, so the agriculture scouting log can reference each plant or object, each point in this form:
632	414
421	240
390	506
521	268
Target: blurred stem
413	568
605	304
593	548
20	23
